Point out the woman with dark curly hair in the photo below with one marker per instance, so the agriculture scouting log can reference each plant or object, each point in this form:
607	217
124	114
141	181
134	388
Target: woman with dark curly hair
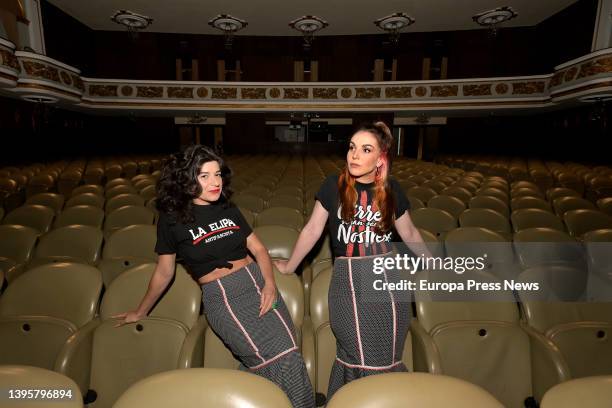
199	224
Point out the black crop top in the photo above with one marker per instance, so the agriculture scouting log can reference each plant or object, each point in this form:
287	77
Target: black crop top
216	237
359	237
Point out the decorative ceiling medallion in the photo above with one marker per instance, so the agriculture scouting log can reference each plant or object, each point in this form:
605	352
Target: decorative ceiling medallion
394	23
132	21
308	26
493	18
229	25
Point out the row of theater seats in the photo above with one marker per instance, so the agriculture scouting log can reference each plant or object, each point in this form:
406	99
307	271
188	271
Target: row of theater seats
515	354
312	291
236	389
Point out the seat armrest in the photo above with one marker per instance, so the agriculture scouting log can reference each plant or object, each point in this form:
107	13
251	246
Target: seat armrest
425	355
548	367
192	352
74	360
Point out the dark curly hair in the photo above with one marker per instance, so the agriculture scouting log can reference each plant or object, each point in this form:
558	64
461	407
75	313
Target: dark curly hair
178	183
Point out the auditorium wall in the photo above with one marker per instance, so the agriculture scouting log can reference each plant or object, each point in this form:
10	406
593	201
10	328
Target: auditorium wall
471	53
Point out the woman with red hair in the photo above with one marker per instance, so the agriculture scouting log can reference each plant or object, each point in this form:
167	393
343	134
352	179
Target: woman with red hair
361	207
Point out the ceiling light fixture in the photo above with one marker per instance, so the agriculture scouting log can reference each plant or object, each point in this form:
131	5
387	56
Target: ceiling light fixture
394	23
308	26
132	21
493	18
228	25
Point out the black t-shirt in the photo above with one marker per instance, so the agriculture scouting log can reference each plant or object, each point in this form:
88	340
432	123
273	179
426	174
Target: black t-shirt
217	235
359	237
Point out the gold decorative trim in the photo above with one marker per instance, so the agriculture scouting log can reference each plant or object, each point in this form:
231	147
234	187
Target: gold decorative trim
528	88
10	60
295	93
38	70
184	92
477	90
581	89
420	91
444	91
403	92
598	66
224	93
103	90
253	93
275	93
202	92
367	93
346	93
150	91
325	93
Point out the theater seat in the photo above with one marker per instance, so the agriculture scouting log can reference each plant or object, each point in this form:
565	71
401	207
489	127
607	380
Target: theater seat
126	248
73	243
35	378
204	387
279	240
51	200
579	222
107	359
42	308
324	339
251	202
486	218
450	204
588	392
581	331
288	217
16	248
92	199
400	390
483	342
126	216
80	215
535	218
434	220
34	216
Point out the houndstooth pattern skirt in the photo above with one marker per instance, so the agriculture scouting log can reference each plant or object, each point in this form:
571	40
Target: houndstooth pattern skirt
265	345
370	325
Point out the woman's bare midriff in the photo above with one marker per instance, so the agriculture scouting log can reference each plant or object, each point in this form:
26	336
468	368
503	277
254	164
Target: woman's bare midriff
221	272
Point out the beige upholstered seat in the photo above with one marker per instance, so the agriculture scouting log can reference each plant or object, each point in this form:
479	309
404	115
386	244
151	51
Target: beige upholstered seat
490	202
121	200
88	188
434	220
580	330
73	243
31	215
95	200
324	339
16	248
35	378
120	356
204	387
547	246
486	218
484	343
248	216
288	217
587	392
422	193
579	222
460	192
569	203
519	203
126	248
535	218
51	200
80	215
42	308
126	216
450	204
400	390
288	201
605	205
279	240
119	189
249	201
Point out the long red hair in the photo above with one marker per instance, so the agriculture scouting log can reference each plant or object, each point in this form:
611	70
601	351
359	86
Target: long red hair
383	196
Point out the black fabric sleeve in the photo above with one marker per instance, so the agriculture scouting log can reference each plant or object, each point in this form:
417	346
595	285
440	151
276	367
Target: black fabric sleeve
242	223
328	192
401	201
166	244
